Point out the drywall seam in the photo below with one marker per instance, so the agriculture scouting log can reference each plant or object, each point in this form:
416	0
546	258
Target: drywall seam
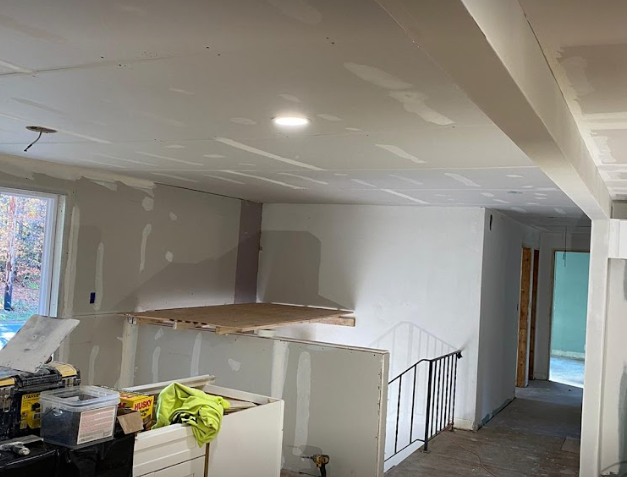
155	364
383	410
70	270
194	369
25	168
280	358
303	396
91	372
247	267
129	350
99	276
259	152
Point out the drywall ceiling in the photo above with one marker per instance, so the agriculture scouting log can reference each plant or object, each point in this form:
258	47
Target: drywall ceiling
585	43
183	93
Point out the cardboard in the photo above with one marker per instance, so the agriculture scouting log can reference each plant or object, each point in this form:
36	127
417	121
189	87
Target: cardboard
130	421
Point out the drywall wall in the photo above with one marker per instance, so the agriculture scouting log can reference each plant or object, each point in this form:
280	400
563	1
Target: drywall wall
570	304
333	394
500	296
137	246
614	390
412	275
549	243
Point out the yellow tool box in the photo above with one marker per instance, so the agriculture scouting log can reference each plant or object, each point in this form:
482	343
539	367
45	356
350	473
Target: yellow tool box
19	395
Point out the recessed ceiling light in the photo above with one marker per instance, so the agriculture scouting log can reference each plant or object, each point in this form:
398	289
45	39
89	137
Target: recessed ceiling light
292	121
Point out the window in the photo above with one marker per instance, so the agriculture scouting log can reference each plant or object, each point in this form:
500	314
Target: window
28	257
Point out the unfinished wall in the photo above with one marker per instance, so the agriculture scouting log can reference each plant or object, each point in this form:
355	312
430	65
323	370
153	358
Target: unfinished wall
500	294
549	243
412	275
323	414
137	246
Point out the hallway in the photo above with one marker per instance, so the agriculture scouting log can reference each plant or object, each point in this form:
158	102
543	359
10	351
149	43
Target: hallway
536	435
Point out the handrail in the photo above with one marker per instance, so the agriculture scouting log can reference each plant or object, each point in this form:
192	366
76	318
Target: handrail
440	399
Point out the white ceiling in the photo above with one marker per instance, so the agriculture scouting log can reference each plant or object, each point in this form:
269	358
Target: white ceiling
183	93
585	43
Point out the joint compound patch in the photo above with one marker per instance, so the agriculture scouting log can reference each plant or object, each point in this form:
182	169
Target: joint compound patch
298	10
148	203
142	250
234	365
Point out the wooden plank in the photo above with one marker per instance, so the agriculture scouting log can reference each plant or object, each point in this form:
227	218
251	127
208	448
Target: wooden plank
534	306
523	318
237	318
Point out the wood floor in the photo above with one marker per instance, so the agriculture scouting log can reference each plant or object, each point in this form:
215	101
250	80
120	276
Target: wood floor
536	435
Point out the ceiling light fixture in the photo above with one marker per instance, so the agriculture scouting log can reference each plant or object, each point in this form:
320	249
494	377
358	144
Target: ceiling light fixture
291	121
38	129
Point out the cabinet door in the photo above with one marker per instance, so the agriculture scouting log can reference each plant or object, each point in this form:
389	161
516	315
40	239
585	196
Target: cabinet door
191	468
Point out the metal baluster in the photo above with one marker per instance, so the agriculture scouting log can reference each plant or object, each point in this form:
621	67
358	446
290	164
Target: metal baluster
428	409
398	411
438	398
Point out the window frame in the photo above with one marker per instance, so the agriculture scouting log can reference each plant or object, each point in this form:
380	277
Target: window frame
49	286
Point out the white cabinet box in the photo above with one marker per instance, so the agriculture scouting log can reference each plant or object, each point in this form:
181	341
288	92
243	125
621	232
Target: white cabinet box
249	442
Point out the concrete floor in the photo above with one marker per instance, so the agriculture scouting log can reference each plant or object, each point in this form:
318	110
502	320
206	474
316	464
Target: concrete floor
567	371
536	435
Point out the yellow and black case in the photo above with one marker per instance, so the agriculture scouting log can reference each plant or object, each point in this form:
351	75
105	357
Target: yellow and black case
19	396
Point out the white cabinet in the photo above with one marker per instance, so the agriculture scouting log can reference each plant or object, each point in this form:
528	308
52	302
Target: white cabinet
249	442
191	468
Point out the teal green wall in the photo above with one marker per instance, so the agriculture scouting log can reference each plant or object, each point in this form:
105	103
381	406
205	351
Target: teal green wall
570	301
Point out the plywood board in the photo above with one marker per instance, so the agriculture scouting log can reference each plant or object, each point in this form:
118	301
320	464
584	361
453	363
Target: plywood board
523	319
225	319
35	342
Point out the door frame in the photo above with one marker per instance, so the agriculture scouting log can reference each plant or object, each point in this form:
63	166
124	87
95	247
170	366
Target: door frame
524	303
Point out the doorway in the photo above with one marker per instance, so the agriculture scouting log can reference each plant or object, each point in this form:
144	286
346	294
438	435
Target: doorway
568	317
28	222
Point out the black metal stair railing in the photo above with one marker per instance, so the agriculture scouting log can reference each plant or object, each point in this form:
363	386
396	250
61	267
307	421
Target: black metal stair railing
438	412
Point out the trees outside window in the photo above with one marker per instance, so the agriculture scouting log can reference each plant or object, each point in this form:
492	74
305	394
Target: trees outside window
22	243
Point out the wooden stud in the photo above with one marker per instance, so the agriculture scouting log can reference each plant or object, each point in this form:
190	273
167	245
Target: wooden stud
523	319
534	306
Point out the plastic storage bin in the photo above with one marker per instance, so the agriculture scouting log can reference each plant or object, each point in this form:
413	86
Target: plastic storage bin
78	416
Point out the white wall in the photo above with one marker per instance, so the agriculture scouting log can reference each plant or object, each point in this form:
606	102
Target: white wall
614	391
411	274
159	247
549	243
500	294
